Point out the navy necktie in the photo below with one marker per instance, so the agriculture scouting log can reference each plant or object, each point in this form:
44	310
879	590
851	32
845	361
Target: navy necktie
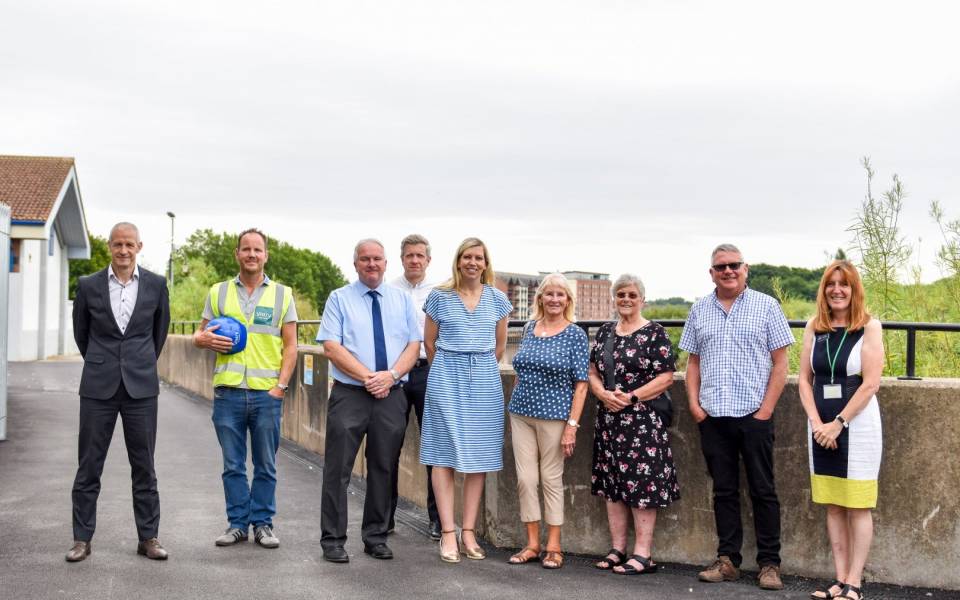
379	345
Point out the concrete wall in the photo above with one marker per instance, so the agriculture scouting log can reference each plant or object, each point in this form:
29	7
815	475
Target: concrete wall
917	519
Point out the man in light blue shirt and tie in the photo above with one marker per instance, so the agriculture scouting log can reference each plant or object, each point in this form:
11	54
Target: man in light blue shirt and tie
371	337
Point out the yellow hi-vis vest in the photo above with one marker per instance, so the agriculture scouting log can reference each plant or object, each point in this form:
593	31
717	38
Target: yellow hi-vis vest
260	359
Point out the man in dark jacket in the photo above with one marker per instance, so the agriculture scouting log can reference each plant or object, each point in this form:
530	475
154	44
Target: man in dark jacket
120	320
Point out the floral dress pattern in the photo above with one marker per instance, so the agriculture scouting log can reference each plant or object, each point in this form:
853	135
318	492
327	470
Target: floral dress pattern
632	460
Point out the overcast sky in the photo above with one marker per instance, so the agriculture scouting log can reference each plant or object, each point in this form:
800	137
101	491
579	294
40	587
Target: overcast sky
603	136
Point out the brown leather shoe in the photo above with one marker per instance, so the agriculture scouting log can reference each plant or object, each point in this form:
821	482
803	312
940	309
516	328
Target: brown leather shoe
770	578
722	569
80	551
152	549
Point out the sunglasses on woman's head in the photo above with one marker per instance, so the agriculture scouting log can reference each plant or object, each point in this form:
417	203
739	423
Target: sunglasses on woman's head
631	295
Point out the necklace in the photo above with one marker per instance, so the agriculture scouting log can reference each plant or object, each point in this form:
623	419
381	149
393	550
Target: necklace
546	332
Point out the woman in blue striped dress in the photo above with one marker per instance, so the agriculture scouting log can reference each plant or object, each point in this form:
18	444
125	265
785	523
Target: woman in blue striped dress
465	335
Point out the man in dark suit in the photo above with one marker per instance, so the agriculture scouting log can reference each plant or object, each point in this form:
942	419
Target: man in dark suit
120	320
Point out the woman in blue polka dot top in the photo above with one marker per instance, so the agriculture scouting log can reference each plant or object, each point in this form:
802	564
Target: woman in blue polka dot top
551	367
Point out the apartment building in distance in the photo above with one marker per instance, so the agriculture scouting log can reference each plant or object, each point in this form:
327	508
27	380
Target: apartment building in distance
593	295
520	289
592	289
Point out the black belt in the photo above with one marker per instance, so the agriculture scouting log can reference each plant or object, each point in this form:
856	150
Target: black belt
421	363
351	386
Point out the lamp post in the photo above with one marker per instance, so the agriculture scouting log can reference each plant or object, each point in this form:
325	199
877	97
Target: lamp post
170	267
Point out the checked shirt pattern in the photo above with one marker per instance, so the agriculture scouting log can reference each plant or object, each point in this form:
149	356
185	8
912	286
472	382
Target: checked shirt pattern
734	350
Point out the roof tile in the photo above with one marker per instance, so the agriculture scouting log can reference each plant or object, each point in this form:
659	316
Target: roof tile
31	184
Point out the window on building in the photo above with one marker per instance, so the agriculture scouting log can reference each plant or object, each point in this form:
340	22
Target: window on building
15	256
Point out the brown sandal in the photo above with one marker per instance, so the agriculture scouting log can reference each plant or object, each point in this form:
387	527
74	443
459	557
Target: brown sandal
523	558
552	559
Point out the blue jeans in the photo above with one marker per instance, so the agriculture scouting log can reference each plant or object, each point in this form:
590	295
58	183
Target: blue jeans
235	411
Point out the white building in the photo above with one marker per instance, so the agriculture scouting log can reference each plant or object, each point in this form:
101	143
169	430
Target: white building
47	228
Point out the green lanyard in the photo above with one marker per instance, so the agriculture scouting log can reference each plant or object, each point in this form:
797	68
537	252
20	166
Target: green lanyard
833	362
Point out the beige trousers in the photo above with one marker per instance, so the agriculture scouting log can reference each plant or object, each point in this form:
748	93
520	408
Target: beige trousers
539	459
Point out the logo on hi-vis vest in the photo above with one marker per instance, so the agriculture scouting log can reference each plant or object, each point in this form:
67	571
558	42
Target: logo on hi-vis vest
263	315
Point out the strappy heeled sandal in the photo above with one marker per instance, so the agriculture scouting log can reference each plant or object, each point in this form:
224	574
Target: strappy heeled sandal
477	553
454	555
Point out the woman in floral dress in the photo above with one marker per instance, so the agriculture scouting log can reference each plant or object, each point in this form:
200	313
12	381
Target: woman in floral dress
633	466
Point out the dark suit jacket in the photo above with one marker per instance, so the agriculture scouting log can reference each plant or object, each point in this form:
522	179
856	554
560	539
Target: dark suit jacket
109	356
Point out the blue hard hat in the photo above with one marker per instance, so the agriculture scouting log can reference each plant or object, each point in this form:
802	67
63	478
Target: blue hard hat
233	329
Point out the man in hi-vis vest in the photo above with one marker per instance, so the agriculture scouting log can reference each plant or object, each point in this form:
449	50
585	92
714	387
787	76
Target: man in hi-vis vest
249	387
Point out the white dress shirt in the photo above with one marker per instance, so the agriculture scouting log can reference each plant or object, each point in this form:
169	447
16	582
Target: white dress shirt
123	296
419	293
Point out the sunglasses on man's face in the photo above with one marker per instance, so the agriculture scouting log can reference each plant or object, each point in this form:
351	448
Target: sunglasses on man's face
734	266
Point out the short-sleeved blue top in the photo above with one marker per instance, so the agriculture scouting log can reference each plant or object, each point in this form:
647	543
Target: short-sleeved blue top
547	369
462	330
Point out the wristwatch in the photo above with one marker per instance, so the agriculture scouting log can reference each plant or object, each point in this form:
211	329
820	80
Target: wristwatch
283	386
573	423
395	375
843	421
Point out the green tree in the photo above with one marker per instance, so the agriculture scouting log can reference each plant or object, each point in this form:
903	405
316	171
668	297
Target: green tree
311	274
793	282
673	300
99	259
191	286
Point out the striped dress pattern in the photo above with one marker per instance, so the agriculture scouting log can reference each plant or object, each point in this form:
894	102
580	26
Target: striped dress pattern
463	407
848	475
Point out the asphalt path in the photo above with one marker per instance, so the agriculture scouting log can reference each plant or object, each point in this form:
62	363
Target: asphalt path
38	463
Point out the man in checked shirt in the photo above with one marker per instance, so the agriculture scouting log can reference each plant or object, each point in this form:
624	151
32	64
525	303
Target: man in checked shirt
737	339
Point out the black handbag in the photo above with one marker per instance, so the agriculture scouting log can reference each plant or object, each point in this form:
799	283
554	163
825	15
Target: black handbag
662	404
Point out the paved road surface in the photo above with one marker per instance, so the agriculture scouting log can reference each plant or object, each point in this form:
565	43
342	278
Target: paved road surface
37	465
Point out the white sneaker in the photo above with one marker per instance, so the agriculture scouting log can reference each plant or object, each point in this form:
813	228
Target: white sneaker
231	536
265	537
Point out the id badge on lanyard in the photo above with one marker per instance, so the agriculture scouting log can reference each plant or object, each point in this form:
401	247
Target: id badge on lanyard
833	391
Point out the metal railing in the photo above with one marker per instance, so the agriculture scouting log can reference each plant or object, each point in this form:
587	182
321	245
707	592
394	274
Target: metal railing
184	327
911	329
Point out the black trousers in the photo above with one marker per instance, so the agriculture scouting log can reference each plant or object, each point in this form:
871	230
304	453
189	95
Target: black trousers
97	420
416	388
352	414
724	440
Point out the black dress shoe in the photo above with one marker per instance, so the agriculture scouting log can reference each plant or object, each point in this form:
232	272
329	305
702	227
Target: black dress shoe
381	551
336	555
435	530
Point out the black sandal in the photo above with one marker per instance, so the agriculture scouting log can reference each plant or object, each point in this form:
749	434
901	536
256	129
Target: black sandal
825	591
619	556
648	566
850	588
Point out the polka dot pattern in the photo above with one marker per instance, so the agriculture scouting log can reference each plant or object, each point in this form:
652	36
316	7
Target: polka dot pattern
547	369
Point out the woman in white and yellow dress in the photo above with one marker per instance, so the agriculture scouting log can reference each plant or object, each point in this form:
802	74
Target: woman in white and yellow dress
840	370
